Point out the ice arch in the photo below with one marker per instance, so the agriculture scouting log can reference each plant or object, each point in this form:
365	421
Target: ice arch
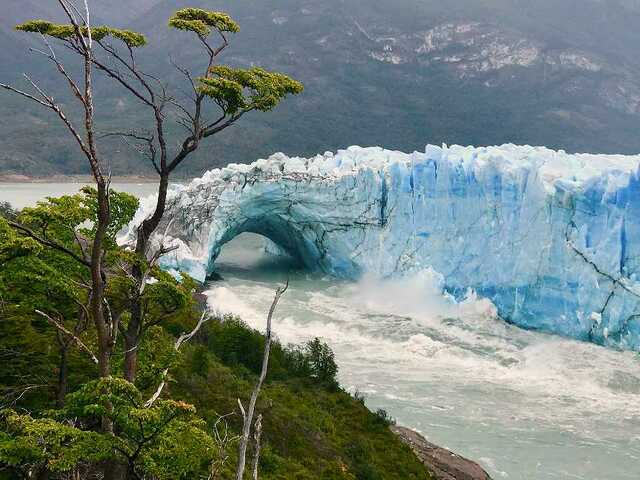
552	239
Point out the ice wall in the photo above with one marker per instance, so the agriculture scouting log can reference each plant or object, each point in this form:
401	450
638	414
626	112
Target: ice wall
552	239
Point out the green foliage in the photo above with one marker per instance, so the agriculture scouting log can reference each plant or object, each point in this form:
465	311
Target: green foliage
59	446
311	430
34	277
67	217
235	344
238	345
155	354
7	211
238	89
123	207
63	214
202	22
67	31
128	37
384	418
166	441
166	297
13	246
322	362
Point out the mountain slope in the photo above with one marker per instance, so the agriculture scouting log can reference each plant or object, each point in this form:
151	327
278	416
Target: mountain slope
395	73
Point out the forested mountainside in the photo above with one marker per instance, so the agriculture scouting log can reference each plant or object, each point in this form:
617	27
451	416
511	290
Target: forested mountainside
560	73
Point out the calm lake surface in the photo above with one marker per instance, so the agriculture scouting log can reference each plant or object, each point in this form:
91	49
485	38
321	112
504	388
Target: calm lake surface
523	404
22	195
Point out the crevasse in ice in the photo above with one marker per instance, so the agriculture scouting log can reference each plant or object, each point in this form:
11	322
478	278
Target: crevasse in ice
552	239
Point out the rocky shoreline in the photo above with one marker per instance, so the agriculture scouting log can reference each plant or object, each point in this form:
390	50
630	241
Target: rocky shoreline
442	463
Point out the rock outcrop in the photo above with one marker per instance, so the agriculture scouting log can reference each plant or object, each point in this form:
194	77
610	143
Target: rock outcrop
443	464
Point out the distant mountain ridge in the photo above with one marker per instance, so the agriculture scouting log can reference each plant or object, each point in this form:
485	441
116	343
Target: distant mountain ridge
402	73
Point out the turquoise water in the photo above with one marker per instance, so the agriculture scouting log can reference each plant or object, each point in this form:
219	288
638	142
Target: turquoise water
525	405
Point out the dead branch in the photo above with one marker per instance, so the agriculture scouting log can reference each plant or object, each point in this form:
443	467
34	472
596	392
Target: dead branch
26	95
256	454
73	336
248	415
48	102
181	340
223	441
15	395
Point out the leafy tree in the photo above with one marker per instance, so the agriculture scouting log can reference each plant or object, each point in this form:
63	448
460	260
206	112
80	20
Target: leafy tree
234	92
165	441
45	281
44	288
322	364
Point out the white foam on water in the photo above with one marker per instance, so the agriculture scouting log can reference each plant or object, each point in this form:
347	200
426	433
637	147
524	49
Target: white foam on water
524	404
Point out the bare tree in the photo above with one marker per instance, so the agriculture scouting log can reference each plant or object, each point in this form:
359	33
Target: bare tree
257	437
78	35
224	440
247	415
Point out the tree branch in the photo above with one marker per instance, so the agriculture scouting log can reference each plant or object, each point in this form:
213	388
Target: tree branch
15	395
148	140
74	337
182	339
248	416
213	129
52	56
256	455
119	77
26	95
49	243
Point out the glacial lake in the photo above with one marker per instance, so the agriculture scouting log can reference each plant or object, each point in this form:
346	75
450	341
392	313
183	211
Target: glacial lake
525	405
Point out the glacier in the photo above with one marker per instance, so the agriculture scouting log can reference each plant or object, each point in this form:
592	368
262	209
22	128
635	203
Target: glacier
551	238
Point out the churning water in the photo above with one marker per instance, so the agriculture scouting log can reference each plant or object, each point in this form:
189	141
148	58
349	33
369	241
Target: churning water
525	405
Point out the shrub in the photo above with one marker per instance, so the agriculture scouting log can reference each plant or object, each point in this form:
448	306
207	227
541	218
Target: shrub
322	363
383	417
7	211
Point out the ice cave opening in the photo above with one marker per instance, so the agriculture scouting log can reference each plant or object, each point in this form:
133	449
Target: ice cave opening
272	234
254	255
